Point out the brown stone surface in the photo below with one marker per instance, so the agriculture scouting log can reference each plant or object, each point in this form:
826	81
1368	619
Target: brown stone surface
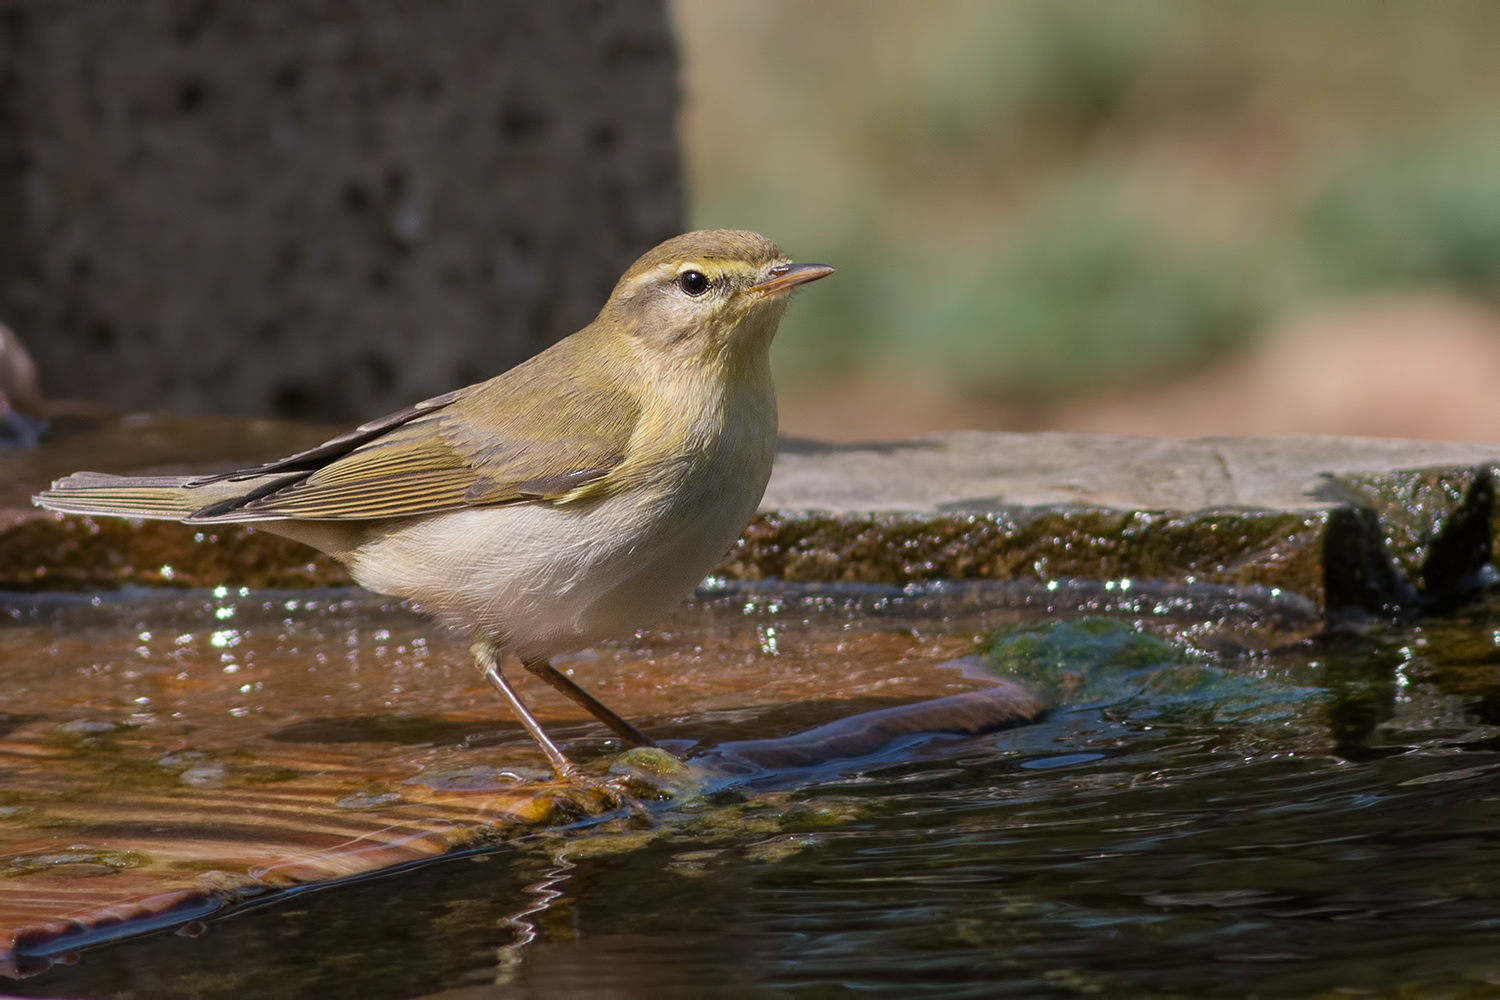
321	209
164	755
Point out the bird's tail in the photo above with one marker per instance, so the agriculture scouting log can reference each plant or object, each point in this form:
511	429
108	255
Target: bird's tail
167	498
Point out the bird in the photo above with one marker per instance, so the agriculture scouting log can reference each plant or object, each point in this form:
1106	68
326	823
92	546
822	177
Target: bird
576	497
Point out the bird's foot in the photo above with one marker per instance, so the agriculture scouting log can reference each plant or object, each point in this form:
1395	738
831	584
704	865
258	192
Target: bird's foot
585	795
636	779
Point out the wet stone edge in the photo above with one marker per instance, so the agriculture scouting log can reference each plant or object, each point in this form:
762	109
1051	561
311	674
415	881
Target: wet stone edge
1268	548
1276	549
1378	543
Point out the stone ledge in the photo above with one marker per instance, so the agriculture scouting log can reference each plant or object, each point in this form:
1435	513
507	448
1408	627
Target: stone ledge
980	470
1368	523
1378	525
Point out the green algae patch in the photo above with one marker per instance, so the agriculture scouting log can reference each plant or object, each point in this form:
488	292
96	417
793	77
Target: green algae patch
654	761
761	826
653	774
1101	660
1060	662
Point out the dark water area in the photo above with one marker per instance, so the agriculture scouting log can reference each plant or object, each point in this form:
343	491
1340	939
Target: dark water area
1220	805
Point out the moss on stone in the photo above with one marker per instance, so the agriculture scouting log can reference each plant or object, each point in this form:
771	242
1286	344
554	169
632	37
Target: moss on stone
1270	548
57	552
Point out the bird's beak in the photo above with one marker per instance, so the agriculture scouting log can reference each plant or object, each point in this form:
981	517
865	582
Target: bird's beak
785	277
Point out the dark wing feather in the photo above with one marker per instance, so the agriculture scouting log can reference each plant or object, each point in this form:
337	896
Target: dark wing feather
538	432
335	448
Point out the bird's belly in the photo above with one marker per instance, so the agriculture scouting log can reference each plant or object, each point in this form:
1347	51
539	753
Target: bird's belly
544	580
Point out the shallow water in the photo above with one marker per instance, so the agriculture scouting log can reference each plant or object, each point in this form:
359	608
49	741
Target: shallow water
1220	807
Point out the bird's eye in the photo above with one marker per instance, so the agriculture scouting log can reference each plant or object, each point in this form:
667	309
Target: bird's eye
694	283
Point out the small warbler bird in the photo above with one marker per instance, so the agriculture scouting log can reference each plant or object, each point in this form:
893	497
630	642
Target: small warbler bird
577	497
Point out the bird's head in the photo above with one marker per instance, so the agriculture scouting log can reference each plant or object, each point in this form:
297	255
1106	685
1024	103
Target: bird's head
712	295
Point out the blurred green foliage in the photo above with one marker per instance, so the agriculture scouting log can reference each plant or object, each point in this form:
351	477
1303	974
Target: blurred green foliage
1049	197
1420	219
1082	294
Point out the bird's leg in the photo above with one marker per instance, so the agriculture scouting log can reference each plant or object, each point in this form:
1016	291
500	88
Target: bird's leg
489	664
596	708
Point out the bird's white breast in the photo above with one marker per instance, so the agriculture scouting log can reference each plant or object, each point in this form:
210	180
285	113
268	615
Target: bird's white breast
546	579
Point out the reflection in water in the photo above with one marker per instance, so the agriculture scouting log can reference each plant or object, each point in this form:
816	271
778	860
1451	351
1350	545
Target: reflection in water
543	893
1217	808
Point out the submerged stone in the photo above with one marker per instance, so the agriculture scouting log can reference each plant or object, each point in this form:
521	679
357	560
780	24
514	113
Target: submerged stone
1059	661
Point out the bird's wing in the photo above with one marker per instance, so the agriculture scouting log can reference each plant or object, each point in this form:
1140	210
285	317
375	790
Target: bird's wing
336	448
219	497
513	439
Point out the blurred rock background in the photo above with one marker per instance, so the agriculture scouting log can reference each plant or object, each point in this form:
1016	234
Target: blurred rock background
1141	216
1148	216
321	209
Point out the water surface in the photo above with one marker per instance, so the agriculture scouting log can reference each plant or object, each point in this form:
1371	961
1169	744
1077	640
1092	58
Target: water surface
1220	806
